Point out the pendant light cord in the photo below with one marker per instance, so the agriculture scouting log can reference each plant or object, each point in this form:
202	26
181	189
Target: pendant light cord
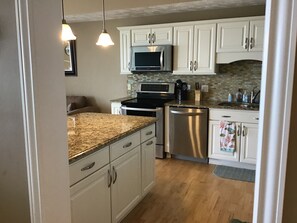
103	12
63	19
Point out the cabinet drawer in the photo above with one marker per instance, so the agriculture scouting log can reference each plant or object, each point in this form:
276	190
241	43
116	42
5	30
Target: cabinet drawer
147	133
123	146
84	167
234	115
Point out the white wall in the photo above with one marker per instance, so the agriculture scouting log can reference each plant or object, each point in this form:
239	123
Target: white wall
34	170
14	199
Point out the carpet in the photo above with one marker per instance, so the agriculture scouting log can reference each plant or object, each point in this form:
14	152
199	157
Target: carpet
234	173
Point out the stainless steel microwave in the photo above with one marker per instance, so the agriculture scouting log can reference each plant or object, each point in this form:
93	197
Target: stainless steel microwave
151	58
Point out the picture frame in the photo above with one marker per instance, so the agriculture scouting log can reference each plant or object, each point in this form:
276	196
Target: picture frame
70	63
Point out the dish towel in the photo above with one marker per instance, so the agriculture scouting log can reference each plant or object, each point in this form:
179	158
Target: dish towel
227	136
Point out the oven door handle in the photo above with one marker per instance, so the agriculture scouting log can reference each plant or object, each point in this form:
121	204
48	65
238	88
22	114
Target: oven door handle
142	109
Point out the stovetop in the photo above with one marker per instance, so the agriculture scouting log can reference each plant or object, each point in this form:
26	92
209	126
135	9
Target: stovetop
145	102
152	95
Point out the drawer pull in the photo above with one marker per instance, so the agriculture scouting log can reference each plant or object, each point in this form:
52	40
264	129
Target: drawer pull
109	178
149	143
115	175
244	131
256	118
149	133
88	167
127	145
226	116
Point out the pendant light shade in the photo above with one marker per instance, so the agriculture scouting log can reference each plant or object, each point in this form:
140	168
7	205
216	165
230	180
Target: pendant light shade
67	33
104	38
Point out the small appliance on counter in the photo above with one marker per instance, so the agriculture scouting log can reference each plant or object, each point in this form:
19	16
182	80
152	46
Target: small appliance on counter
181	90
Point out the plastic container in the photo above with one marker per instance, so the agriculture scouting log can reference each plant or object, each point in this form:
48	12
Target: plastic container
245	97
230	98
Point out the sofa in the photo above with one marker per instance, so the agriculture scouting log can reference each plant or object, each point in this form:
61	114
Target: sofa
79	104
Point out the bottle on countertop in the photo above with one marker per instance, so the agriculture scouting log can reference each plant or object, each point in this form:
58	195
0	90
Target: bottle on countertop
245	97
238	96
230	98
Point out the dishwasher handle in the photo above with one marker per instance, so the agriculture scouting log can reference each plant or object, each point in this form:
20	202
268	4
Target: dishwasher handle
187	113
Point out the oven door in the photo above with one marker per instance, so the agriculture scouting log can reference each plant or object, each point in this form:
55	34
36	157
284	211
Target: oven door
150	112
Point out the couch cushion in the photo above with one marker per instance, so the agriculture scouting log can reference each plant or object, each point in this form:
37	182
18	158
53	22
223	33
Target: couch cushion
79	101
71	107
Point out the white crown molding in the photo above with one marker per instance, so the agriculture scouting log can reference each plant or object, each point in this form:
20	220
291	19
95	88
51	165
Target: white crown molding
163	9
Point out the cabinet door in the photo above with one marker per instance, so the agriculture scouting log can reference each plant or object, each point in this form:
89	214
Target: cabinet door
125	45
148	165
249	143
214	144
126	187
232	36
204	49
141	37
183	50
90	198
161	36
256	35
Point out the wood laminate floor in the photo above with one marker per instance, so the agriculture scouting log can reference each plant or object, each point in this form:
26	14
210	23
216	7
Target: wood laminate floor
188	192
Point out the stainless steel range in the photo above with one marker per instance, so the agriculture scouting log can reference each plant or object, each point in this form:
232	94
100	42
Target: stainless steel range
150	100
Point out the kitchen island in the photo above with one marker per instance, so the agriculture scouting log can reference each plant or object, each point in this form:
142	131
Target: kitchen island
89	132
112	164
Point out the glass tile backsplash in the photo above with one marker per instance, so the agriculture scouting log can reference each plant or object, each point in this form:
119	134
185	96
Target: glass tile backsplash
229	78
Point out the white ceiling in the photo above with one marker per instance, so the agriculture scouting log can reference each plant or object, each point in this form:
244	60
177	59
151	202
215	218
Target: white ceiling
90	10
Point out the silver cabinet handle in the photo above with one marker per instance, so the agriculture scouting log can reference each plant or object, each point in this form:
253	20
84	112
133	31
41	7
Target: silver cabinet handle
252	42
149	143
109	178
149	133
161	59
246	43
127	145
191	65
154	37
195	65
244	131
115	174
129	66
141	109
90	166
186	113
226	116
238	130
149	38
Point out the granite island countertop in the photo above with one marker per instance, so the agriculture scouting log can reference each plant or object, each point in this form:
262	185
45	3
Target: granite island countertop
89	132
210	104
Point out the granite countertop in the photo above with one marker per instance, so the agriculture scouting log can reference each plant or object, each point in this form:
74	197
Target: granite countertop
214	104
89	132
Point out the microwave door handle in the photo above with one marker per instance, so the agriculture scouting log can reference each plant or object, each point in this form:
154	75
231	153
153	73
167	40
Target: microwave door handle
161	59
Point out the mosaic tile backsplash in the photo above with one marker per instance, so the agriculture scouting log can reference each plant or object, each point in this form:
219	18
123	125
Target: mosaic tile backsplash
245	75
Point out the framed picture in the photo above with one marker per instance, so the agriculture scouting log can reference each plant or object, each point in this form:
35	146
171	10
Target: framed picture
70	58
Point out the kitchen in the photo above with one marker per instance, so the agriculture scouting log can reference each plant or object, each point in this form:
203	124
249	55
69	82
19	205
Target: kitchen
50	100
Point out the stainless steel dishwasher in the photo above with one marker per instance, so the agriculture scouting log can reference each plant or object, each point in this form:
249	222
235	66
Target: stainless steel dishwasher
188	132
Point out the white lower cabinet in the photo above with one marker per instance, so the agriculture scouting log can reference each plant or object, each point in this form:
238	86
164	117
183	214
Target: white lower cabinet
108	184
148	165
90	198
246	128
126	185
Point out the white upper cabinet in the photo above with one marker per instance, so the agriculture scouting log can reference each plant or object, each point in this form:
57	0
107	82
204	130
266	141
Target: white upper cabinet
152	36
194	49
256	35
233	36
240	39
125	48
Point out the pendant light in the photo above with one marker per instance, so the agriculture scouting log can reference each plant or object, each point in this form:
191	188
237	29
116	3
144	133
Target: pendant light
67	33
104	38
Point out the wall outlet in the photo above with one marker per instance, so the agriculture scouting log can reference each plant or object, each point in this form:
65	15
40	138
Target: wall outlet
204	88
129	87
